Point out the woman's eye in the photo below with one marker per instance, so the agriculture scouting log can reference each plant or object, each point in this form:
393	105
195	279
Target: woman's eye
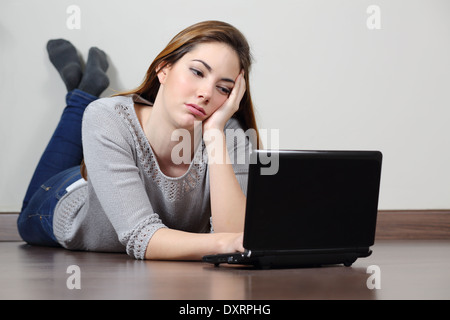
224	90
196	72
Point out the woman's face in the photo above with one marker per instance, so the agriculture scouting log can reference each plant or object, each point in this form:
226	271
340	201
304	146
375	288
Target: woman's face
199	83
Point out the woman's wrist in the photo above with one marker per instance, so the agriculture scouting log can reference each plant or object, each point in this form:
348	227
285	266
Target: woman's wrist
214	139
207	126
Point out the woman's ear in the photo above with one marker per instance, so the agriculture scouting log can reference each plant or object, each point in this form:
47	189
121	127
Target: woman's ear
161	72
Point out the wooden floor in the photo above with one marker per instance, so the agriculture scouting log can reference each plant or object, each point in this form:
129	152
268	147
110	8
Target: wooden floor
409	269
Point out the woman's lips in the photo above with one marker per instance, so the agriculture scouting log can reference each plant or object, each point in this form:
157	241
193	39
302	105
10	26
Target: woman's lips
195	109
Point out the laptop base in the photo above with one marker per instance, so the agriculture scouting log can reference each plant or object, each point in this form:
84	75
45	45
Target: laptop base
273	261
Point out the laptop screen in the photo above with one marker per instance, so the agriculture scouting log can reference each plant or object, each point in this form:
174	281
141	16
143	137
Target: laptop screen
316	200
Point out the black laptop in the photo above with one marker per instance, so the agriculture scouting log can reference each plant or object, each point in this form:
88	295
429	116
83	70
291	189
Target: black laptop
308	208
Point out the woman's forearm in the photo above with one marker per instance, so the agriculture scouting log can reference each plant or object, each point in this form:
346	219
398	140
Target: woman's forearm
227	199
170	244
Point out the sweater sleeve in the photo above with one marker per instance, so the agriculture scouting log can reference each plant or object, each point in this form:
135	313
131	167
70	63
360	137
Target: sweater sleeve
111	167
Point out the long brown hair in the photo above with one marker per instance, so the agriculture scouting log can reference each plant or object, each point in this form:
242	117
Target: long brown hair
184	42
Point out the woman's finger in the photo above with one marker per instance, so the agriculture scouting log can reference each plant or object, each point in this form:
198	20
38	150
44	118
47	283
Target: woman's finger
238	91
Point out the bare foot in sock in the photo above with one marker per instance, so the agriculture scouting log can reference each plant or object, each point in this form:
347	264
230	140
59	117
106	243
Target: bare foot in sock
64	57
95	80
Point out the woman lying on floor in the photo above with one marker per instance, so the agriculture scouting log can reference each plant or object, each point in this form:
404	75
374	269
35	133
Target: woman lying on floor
137	191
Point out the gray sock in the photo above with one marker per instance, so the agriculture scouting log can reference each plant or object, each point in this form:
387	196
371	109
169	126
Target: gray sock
64	57
95	80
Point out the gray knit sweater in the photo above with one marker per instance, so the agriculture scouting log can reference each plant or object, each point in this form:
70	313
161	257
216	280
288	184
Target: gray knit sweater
127	197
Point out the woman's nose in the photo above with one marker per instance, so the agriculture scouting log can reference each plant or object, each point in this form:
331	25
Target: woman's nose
205	93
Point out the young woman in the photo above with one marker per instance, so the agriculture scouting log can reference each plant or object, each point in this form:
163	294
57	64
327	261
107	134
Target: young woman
149	186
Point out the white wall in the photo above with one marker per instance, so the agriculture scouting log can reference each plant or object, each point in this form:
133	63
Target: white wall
321	77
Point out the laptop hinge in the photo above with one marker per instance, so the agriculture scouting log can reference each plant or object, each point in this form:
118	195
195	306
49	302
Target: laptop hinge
257	253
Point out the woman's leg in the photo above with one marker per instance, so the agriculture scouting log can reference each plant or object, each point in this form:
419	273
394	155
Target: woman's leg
64	149
59	165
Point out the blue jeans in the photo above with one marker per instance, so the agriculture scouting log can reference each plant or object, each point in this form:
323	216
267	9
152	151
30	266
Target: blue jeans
58	167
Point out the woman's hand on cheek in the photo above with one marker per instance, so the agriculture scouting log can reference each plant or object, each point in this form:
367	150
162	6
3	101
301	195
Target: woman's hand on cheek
220	117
